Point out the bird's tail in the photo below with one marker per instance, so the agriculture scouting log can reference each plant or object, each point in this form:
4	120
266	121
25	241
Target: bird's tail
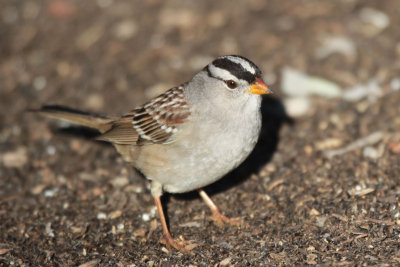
96	121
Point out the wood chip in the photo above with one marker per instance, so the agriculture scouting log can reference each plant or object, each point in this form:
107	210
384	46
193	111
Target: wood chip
36	190
4	251
192	246
190	224
314	212
91	263
328	143
360	236
360	192
365	141
15	159
115	214
225	261
275	184
153	227
370	220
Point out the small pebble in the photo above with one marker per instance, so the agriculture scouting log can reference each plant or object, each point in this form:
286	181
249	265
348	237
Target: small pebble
395	84
125	30
39	83
120	181
146	217
370	152
51	150
297	106
370	90
48	230
297	83
50	192
101	216
375	17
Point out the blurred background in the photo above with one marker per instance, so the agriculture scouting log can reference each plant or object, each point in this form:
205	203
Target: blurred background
327	193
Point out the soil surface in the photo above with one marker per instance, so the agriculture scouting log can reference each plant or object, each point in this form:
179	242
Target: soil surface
322	186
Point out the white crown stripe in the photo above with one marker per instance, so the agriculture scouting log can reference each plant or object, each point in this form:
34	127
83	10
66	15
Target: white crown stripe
246	65
223	74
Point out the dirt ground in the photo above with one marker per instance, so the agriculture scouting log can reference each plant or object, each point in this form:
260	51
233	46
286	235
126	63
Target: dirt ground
322	186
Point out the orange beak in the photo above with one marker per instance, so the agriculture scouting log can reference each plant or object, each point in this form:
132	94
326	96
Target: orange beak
259	88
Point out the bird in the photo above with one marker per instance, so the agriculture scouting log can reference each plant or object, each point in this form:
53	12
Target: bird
188	137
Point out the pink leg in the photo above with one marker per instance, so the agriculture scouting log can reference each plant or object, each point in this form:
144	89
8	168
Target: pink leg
168	238
217	216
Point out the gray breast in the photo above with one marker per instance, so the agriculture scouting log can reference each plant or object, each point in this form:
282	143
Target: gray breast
210	154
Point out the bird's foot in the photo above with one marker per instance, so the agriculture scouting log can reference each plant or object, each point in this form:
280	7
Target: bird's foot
221	220
180	244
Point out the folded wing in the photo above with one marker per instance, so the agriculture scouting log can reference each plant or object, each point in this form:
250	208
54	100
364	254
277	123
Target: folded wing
153	123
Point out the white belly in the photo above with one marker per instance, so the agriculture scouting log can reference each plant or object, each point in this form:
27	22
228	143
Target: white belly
201	160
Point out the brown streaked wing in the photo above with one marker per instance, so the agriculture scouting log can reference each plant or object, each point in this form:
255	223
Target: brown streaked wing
153	123
156	121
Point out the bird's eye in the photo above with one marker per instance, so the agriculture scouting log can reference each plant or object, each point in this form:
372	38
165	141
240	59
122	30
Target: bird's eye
231	84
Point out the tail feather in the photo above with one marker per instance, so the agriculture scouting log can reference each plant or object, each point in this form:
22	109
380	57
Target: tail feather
96	121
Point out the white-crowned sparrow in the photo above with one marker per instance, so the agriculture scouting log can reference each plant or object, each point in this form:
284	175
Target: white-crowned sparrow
191	135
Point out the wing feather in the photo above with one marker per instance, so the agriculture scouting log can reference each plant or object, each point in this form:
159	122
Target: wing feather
154	123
